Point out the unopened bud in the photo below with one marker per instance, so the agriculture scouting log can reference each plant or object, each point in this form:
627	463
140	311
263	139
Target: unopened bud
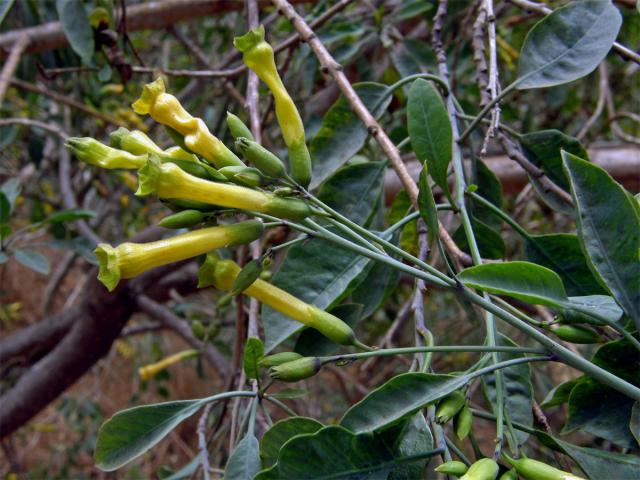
300	369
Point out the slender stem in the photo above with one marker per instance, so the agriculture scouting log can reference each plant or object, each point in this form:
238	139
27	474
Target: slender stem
290	243
490	416
433	349
412	216
459	453
497	211
514	311
363	241
280	404
487	108
509	130
567	356
410	78
252	416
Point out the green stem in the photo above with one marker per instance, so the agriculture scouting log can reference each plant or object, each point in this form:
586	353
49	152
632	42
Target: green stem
403	81
486	110
280	404
498	212
459	453
516	425
433	349
514	311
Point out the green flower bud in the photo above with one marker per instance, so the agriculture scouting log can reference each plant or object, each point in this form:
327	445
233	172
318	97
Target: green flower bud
93	152
237	127
576	334
278	359
135	142
262	158
198	330
247	176
449	406
184	219
462	422
283	191
249	274
452	467
169	181
509	475
483	469
300	163
131	259
535	470
197	169
300	369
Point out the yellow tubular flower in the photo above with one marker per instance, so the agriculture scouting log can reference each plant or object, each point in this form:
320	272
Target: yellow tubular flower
167	110
257	54
151	370
169	181
128	260
93	152
138	143
222	274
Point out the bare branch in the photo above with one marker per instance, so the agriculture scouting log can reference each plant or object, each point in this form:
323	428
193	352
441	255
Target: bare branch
11	64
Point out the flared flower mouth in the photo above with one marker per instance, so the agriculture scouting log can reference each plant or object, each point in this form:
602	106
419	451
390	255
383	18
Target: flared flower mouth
109	269
150	92
250	39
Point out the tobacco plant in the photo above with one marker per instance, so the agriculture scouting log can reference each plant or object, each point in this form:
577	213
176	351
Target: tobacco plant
587	282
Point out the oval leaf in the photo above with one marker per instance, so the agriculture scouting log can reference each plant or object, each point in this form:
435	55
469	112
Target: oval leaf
244	462
76	27
430	131
609	229
399	397
281	432
522	280
130	433
253	352
33	260
568	44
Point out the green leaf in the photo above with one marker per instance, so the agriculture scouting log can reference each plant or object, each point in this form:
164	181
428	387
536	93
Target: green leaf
561	252
244	462
312	343
490	188
130	433
597	464
76	27
33	260
280	433
634	422
559	394
11	189
522	280
602	305
490	242
427	205
5	209
609	229
186	471
354	190
5	6
378	285
568	44
70	215
400	397
253	352
342	134
411	438
334	453
601	410
430	131
518	391
543	150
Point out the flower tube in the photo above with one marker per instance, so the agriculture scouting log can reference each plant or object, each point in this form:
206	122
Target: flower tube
257	54
91	151
169	181
152	369
167	110
138	143
128	260
222	274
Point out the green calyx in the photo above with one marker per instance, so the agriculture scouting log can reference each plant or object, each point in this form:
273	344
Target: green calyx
290	208
509	475
184	219
483	469
300	162
91	151
207	270
452	467
237	127
245	176
462	422
334	329
449	406
249	40
576	334
278	359
109	269
247	276
295	370
535	470
262	158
